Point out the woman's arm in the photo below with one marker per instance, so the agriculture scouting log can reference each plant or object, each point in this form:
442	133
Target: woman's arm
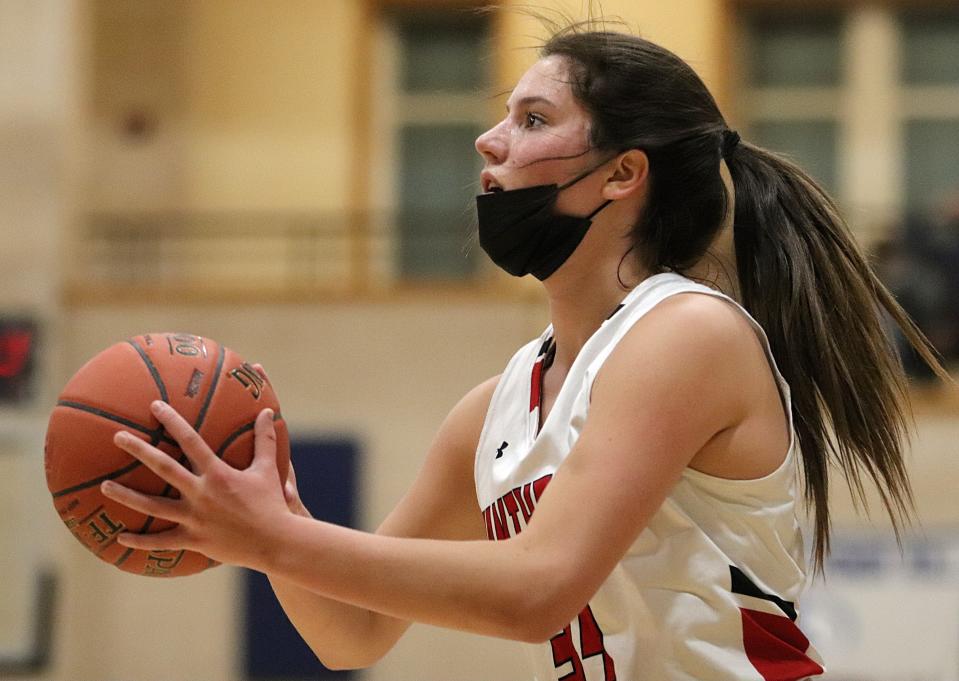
670	386
441	504
673	383
342	636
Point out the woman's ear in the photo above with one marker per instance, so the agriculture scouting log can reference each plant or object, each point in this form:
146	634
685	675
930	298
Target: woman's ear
627	175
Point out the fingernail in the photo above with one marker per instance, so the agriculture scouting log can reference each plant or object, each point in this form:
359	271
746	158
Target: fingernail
270	412
157	406
107	486
122	437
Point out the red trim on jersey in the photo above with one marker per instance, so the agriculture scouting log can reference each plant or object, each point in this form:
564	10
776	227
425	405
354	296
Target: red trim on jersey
776	647
543	359
536	385
539	485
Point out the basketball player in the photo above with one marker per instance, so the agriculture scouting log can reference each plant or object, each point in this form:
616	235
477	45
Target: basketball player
638	465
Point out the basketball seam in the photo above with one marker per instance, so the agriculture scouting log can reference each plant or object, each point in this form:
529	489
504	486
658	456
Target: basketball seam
231	438
153	370
118	473
155	438
155	434
163	394
209	395
122	559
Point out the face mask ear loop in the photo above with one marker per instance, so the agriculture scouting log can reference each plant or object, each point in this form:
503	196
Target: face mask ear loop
601	207
585	173
576	179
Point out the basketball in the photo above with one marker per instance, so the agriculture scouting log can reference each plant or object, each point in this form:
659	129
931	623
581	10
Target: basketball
211	386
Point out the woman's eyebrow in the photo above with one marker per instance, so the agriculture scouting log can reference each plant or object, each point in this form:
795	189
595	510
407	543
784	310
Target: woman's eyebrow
532	99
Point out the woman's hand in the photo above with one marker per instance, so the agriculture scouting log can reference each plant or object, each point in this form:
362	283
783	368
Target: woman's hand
226	514
290	491
292	495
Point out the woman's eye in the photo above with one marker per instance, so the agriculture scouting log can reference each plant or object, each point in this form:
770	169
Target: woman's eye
534	120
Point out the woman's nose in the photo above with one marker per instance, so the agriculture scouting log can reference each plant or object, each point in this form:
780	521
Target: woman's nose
492	145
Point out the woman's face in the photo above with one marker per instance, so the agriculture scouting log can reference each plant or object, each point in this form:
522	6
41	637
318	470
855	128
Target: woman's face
544	138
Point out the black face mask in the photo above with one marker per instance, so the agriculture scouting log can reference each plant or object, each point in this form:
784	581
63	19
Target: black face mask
521	233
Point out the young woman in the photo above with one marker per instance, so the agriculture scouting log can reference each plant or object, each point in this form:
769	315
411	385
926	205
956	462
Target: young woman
715	344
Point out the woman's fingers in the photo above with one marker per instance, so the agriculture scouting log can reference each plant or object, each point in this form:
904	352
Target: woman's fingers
264	441
292	495
196	450
168	540
161	463
161	507
290	492
216	500
258	368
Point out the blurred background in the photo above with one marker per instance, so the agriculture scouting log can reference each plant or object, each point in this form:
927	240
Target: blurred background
294	179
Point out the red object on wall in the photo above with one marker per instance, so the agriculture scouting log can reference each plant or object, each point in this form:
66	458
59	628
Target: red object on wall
18	344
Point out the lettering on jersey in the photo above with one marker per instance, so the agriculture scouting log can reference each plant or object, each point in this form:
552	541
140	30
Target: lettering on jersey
501	449
506	518
567	658
775	646
509	514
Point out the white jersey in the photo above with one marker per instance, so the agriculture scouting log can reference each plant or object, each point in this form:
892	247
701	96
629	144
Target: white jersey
708	590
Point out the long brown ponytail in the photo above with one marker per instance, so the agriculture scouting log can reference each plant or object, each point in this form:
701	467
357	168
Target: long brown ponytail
806	281
801	274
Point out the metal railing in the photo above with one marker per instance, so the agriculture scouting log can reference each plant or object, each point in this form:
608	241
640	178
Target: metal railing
272	253
196	247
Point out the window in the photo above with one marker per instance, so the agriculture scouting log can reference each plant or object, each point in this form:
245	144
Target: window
794	72
930	126
867	101
434	68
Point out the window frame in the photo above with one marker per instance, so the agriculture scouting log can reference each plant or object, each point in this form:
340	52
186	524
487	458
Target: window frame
870	105
385	110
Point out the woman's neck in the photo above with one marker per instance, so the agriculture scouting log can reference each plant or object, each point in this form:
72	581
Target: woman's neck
718	267
584	293
577	309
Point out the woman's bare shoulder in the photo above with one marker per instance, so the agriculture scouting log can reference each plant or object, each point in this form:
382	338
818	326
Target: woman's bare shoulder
692	345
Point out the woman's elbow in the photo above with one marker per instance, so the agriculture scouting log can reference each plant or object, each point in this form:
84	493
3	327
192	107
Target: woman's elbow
340	661
541	627
543	613
360	653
